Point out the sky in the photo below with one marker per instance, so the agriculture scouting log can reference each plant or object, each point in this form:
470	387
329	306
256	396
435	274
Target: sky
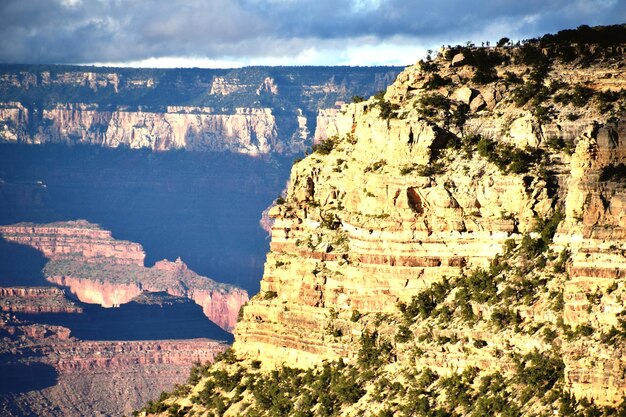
235	33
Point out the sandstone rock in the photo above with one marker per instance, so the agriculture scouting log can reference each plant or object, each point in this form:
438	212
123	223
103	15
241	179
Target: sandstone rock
477	103
493	95
101	270
403	212
458	60
464	94
524	132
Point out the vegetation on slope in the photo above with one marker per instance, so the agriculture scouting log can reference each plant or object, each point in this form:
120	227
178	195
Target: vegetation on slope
422	359
387	378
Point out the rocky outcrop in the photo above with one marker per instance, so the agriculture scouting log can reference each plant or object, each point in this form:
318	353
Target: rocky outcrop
99	269
402	196
110	286
248	130
95	377
256	111
75	238
594	231
36	300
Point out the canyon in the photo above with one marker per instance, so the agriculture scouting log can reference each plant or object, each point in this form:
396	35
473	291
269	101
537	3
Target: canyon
126	169
101	270
52	373
459	237
255	111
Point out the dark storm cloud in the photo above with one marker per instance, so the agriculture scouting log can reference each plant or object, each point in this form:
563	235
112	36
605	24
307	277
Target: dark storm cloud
75	31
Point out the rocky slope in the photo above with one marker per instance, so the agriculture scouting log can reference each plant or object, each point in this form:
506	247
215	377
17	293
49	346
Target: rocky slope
89	378
249	110
75	238
36	300
456	247
99	269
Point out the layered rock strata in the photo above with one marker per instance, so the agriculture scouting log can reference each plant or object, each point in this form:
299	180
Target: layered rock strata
255	111
36	300
411	189
106	378
99	269
75	238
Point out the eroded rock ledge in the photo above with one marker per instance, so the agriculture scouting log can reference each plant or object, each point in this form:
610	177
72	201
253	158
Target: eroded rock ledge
109	377
434	179
99	269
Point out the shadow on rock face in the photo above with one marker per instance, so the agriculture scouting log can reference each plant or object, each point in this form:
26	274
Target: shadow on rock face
174	318
23	377
21	265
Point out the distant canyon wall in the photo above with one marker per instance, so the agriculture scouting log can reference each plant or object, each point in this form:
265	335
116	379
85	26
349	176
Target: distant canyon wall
254	111
99	269
249	130
36	300
105	377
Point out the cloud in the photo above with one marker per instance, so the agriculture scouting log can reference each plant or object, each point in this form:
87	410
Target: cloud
264	31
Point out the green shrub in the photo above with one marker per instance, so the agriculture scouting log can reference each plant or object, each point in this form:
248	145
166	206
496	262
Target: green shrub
480	286
355	316
539	371
479	344
508	158
559	265
531	247
436	81
426	301
430	105
324	147
387	110
557	143
543	114
578	97
549	335
270	295
503	42
504	317
375	166
404	334
373	351
583	330
330	221
428	66
533	90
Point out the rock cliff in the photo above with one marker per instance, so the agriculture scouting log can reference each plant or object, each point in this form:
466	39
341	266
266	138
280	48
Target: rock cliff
250	110
106	378
36	300
99	269
465	227
75	238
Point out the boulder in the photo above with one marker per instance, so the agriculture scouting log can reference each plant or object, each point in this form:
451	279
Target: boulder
477	103
458	60
464	94
525	132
